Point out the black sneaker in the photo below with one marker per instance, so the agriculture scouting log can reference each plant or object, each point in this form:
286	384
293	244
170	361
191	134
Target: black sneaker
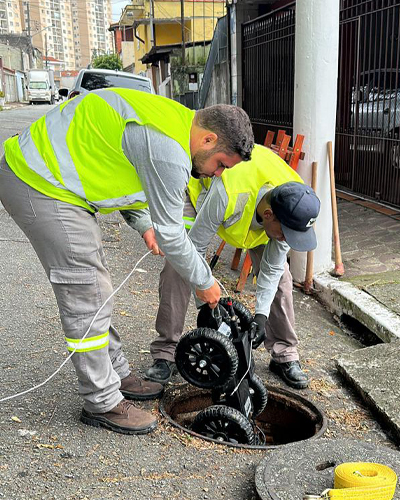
161	371
291	373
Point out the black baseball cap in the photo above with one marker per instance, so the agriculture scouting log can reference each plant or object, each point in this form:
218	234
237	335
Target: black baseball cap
296	206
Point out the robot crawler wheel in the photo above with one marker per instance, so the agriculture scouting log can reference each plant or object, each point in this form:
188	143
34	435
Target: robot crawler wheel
244	315
206	358
259	394
224	423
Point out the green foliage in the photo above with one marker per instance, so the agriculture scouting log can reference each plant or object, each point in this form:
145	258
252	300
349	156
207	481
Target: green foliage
1	94
107	61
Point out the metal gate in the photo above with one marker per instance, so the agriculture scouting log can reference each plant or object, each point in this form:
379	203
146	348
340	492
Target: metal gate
368	110
268	69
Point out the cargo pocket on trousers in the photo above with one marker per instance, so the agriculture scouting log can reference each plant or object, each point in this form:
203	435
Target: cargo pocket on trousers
77	290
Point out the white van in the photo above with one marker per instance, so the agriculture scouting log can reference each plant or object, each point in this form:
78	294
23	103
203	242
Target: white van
40	86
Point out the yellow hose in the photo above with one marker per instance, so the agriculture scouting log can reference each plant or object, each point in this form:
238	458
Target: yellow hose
363	481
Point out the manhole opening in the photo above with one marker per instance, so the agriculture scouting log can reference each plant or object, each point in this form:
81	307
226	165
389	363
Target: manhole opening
287	417
359	331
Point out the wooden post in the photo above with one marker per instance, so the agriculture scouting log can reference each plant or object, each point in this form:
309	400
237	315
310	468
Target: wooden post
308	282
339	267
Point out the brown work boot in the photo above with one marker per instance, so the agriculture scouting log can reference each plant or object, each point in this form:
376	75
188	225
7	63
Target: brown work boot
124	418
132	387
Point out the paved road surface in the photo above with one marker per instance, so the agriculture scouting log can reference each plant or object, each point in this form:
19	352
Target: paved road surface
15	120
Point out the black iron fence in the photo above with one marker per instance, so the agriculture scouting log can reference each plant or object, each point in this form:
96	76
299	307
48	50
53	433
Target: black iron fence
368	109
268	69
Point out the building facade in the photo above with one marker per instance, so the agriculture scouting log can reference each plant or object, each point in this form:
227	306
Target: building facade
71	31
144	25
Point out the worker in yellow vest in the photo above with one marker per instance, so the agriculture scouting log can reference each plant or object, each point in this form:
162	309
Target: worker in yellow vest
114	149
261	205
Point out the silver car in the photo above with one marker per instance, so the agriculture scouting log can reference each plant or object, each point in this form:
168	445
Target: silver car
379	101
93	79
376	112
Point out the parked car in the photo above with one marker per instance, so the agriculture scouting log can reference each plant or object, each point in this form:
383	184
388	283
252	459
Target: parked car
93	79
378	101
376	112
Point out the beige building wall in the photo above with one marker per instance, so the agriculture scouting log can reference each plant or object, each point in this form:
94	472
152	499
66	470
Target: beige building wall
12	17
91	20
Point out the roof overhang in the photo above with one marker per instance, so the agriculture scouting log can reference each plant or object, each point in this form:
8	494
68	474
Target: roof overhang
162	52
166	20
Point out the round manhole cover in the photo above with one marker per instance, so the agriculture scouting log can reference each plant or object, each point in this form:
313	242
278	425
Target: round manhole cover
293	471
288	417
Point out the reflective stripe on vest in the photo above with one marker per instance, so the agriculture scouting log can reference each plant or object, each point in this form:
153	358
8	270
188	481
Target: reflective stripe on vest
242	184
88	344
77	147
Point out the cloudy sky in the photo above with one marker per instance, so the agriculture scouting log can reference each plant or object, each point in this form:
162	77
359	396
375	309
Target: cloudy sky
117	6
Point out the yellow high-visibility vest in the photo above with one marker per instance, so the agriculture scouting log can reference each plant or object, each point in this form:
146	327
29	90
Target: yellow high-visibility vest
74	153
242	184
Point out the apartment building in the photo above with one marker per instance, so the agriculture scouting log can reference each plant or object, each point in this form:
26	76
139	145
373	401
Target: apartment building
70	31
10	17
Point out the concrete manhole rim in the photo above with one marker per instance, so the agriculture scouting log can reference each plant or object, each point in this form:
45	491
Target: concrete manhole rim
271	389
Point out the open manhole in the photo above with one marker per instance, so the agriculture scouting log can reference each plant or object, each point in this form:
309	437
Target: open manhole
288	417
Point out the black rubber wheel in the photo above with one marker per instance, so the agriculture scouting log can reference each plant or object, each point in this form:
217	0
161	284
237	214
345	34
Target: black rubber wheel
244	315
258	394
206	317
206	358
224	423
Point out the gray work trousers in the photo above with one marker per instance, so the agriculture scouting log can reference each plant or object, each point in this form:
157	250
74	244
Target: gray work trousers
67	240
174	293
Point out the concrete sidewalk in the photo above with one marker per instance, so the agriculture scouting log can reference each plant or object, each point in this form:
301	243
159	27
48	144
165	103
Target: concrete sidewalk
369	293
14	105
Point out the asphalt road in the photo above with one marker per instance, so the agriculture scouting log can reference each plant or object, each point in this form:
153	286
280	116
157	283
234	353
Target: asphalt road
47	454
15	120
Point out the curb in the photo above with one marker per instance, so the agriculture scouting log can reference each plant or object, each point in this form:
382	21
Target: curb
342	297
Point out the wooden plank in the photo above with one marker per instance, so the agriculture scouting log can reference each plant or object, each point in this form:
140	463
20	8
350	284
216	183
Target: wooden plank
246	268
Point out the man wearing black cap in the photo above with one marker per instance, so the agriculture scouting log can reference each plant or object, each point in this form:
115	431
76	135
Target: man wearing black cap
287	213
261	205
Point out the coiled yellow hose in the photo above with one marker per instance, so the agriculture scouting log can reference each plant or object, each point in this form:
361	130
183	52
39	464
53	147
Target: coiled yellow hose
363	481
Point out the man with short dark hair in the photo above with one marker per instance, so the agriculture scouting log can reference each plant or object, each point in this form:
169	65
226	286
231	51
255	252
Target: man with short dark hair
261	205
114	149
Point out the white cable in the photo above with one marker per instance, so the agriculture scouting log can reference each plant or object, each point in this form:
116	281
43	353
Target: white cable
82	339
247	371
251	346
222	286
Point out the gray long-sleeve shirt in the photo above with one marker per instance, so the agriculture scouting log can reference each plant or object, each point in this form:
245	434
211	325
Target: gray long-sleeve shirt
211	215
164	171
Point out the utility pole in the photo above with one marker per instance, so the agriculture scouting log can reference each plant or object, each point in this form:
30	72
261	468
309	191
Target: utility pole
45	43
152	23
28	13
183	30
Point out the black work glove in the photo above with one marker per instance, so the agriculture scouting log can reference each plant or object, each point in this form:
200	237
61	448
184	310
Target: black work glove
259	334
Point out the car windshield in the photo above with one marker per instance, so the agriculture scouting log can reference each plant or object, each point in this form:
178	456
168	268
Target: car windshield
93	81
38	85
379	84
